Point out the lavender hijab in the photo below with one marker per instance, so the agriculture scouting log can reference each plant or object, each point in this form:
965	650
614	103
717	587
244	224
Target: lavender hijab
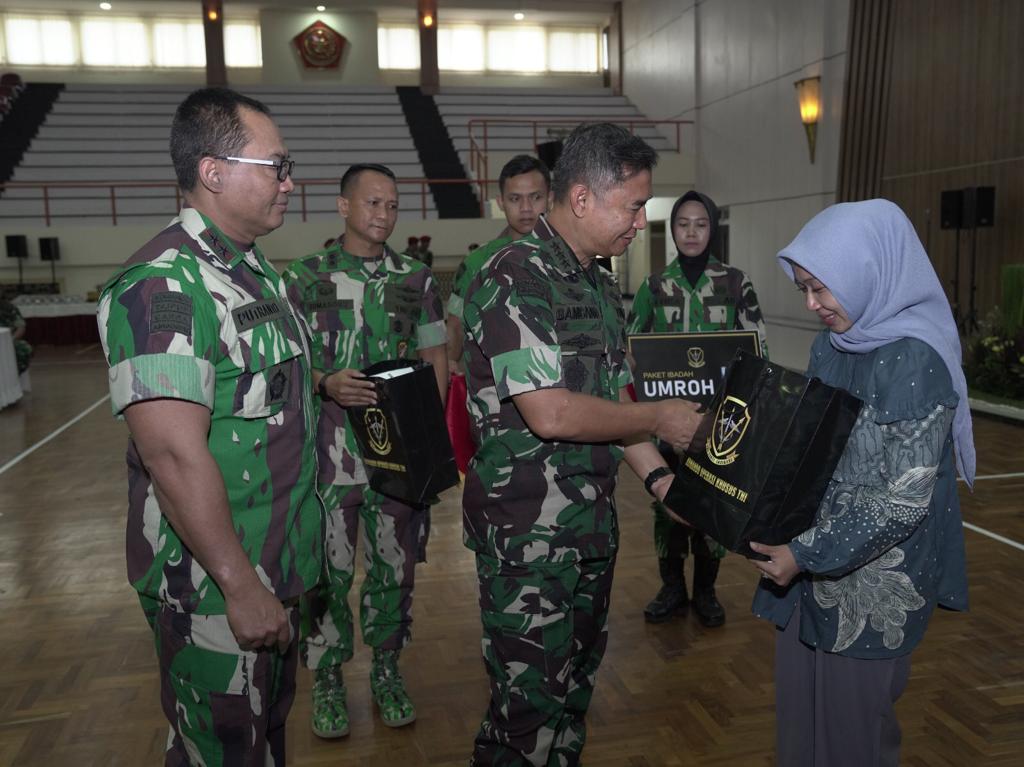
870	258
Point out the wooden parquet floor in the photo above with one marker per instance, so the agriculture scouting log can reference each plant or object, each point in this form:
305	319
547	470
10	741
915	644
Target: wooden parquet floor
78	683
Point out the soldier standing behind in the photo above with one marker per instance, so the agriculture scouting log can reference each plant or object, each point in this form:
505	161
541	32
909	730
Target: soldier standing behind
208	365
365	304
694	293
524	194
547	373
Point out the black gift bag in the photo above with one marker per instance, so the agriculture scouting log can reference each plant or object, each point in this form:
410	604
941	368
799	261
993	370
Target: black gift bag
403	438
763	455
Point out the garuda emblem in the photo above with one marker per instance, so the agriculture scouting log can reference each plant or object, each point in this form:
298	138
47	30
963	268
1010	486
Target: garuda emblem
730	425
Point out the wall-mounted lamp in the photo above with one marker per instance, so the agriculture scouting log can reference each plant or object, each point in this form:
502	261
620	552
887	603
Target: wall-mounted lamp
212	15
428	20
808	93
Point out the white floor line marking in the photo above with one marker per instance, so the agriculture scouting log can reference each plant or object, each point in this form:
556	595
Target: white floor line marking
25	453
1011	475
994	536
88	348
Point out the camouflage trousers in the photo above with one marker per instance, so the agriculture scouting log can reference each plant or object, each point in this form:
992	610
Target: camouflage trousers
544	634
22	354
225	706
393	536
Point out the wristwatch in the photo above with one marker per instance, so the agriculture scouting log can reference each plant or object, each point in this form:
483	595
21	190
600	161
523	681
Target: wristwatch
654	476
321	388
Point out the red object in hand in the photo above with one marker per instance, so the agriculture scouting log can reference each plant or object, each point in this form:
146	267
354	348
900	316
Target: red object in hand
631	391
457	418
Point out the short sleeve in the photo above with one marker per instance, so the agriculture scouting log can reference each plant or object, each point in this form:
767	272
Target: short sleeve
509	316
161	337
430	331
641	314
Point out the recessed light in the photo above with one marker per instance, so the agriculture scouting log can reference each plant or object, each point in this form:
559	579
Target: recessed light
321	8
105	6
518	15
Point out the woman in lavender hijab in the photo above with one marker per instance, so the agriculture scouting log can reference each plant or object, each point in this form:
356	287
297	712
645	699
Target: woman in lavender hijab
851	597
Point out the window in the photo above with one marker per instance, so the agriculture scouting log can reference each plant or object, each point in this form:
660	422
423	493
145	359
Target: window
460	48
101	41
36	40
398	47
516	49
497	48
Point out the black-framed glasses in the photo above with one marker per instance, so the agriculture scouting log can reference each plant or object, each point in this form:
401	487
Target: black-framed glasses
284	167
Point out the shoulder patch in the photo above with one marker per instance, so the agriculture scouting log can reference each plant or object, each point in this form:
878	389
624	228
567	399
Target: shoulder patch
170	313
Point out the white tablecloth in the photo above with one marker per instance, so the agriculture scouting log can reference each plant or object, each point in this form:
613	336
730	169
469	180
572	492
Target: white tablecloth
56	309
10	387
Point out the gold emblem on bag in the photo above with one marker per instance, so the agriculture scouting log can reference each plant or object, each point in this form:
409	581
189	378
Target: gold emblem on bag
730	425
695	356
377	430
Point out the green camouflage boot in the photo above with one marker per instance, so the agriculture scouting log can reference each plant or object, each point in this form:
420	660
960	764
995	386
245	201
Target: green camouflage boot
388	689
330	713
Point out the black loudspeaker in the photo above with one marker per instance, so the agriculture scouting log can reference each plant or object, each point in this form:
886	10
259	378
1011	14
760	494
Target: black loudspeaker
549	152
17	246
952	209
985	206
49	249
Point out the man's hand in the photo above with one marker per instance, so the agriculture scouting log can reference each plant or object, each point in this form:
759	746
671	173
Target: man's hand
350	388
781	567
678	421
258	619
660	489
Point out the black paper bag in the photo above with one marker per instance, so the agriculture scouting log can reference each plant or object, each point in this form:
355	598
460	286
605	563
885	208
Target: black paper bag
403	438
763	455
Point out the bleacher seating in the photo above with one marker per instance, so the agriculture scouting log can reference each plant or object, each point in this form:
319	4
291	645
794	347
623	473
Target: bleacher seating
459	105
120	133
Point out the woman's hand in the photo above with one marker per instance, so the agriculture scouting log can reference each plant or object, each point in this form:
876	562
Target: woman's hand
781	567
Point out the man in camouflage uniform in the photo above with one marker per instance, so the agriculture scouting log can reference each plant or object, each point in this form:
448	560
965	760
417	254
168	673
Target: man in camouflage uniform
11	318
546	366
365	304
524	194
694	293
208	366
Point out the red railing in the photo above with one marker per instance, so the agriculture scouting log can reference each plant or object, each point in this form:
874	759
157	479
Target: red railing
478	140
172	190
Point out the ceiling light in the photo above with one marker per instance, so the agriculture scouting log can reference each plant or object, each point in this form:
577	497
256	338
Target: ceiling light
321	8
518	15
105	6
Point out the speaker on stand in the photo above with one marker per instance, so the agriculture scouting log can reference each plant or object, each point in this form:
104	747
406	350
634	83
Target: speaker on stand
17	247
49	250
951	207
979	212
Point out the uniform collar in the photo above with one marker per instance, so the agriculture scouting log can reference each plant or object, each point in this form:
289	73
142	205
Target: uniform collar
213	240
336	258
560	255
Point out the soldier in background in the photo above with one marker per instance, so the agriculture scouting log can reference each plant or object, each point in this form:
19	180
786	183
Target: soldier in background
547	374
365	304
209	367
694	293
524	194
10	317
412	247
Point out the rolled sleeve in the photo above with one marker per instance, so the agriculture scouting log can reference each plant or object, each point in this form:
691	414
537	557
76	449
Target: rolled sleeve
161	376
455	304
431	335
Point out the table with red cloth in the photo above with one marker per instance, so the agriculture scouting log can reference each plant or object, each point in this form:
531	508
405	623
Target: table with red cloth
58	320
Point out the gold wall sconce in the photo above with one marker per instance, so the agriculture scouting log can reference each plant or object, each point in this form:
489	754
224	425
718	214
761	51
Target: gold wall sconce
808	93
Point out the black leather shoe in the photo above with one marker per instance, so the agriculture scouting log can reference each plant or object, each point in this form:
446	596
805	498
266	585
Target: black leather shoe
671	599
709	610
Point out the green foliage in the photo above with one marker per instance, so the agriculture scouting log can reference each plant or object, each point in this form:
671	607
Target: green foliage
1013	297
994	358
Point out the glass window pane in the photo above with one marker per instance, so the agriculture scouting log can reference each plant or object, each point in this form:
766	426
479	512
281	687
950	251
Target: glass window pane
572	51
516	49
242	47
132	44
58	42
24	44
460	48
169	48
98	43
398	47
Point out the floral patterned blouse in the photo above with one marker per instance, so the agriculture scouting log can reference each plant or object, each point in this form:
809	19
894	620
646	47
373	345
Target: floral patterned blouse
887	544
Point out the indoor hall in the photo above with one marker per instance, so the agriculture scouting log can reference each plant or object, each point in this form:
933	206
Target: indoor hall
775	109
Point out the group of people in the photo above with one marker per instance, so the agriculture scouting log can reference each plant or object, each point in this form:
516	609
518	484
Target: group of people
245	516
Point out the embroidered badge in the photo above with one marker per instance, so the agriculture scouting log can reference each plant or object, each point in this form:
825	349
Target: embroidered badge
258	312
170	313
278	383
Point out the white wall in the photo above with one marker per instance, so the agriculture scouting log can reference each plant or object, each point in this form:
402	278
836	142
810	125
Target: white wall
730	66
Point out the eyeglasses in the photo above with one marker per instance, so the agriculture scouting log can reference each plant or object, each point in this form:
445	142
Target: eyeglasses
284	167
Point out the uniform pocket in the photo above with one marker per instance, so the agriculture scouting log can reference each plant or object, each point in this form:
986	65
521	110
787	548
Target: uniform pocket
271	370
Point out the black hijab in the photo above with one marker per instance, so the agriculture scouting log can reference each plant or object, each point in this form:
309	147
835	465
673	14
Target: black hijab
694	266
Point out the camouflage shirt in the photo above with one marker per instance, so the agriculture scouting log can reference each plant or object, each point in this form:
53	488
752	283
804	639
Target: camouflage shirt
10	316
361	311
470	266
192	317
535	319
723	299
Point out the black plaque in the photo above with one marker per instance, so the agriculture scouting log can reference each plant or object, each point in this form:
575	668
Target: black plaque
686	365
403	438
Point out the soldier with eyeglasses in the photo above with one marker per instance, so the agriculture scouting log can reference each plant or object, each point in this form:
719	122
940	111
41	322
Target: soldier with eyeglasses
209	366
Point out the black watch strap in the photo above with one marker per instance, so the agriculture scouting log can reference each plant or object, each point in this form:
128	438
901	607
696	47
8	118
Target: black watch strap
321	388
654	476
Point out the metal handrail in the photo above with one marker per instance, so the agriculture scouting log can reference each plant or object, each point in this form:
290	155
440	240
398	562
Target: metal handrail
478	150
172	187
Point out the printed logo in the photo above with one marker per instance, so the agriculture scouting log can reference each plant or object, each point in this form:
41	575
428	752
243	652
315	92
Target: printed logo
377	430
695	356
730	425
